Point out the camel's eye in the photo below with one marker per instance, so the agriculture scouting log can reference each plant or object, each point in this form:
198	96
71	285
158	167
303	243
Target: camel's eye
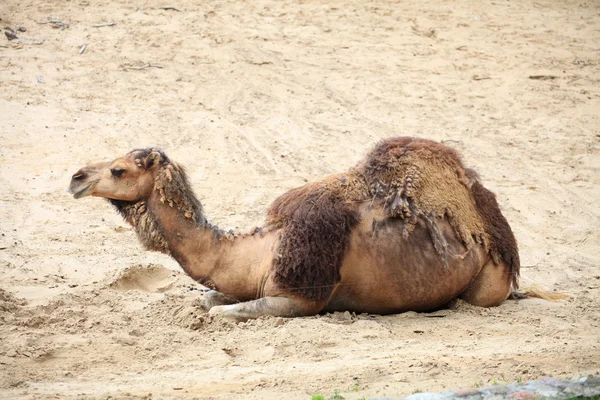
117	172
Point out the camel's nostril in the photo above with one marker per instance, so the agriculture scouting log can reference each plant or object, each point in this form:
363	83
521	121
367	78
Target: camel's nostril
79	175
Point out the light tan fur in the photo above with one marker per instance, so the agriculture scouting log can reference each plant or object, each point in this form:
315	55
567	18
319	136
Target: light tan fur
537	292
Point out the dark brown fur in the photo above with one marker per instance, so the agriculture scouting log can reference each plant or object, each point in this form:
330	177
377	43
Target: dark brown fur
316	228
502	240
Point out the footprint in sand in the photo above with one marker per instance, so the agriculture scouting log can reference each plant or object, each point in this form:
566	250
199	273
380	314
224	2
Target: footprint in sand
152	278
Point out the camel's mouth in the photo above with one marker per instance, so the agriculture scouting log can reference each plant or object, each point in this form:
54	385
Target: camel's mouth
84	180
80	192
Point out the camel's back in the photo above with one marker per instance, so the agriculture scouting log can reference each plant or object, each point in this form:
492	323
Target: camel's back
418	178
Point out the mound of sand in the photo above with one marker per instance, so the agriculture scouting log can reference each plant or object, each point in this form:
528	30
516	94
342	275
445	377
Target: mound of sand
151	278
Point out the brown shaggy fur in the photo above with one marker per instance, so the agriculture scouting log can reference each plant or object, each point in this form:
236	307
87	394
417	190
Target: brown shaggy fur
144	223
316	226
502	240
171	182
410	179
419	178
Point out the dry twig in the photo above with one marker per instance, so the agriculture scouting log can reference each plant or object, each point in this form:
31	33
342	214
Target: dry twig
82	49
172	8
56	22
149	65
111	23
29	41
259	62
457	141
543	77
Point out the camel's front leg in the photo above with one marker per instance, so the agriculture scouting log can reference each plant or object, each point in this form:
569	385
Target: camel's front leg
212	298
273	306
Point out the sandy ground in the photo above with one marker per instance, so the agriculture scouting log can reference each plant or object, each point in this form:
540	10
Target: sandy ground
256	98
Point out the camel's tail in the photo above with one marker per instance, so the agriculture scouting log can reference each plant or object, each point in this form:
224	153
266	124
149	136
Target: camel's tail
537	292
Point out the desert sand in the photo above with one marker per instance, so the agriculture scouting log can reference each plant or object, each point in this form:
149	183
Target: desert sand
259	97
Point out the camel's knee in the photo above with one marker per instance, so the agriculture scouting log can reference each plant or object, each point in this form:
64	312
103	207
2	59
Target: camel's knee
212	298
490	287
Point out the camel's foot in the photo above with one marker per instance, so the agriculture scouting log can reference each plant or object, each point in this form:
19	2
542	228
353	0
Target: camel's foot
273	306
212	298
490	287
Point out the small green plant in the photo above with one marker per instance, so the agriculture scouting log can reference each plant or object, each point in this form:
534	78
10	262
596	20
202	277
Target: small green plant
336	395
520	379
477	384
417	391
499	381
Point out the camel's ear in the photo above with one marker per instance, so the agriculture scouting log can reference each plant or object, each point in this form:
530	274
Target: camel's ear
154	158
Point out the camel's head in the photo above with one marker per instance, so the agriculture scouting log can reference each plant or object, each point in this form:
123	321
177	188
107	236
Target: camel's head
128	178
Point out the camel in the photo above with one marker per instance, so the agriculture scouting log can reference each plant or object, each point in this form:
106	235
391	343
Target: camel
409	228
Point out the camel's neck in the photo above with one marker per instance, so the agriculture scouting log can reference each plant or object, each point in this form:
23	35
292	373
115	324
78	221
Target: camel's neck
172	221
